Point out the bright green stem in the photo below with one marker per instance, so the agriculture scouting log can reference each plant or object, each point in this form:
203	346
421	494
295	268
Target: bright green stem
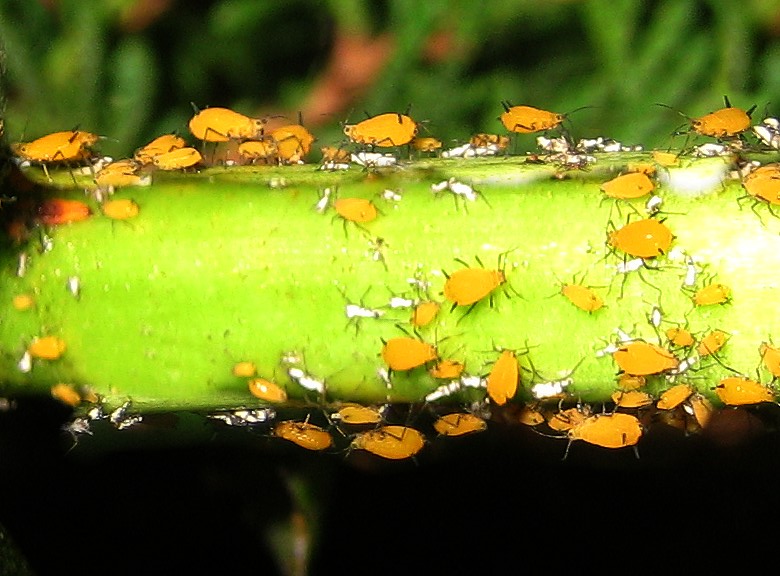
218	267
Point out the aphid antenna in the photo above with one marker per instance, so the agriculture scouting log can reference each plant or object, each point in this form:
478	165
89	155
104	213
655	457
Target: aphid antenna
570	112
518	351
424	124
402	328
646	266
109	138
723	365
24	129
527	356
345	121
633	208
680	112
195	107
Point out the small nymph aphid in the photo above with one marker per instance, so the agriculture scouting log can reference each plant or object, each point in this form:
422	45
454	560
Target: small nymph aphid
267	391
406	353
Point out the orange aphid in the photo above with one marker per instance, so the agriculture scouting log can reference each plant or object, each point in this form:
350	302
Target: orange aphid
459	424
567	419
770	356
608	430
447	369
258	150
384	130
160	145
223	124
56	211
712	294
177	159
427	144
332	154
700	408
358	210
674	396
527	119
503	378
304	435
22	302
712	342
530	416
665	159
724	123
391	442
118	174
486	140
406	353
738	390
120	209
244	369
632	398
764	183
66	394
293	142
356	414
424	313
647	168
470	285
266	390
645	238
631	382
582	297
642	358
47	348
69	145
628	186
680	337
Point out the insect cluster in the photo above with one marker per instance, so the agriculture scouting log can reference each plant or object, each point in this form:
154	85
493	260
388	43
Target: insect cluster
657	369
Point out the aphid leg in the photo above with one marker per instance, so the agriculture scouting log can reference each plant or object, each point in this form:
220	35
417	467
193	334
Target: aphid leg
653	286
466	313
566	453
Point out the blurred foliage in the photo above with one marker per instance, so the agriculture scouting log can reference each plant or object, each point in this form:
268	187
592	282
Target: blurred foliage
128	69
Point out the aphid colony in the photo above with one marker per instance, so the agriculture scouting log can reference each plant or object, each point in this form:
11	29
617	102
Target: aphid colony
252	142
652	378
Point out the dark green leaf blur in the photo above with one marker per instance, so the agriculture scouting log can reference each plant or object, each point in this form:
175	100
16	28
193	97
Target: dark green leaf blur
130	69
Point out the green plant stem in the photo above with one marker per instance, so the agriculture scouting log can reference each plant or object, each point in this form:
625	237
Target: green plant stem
218	267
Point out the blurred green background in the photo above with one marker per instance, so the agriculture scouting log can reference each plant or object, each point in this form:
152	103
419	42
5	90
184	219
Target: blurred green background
128	69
